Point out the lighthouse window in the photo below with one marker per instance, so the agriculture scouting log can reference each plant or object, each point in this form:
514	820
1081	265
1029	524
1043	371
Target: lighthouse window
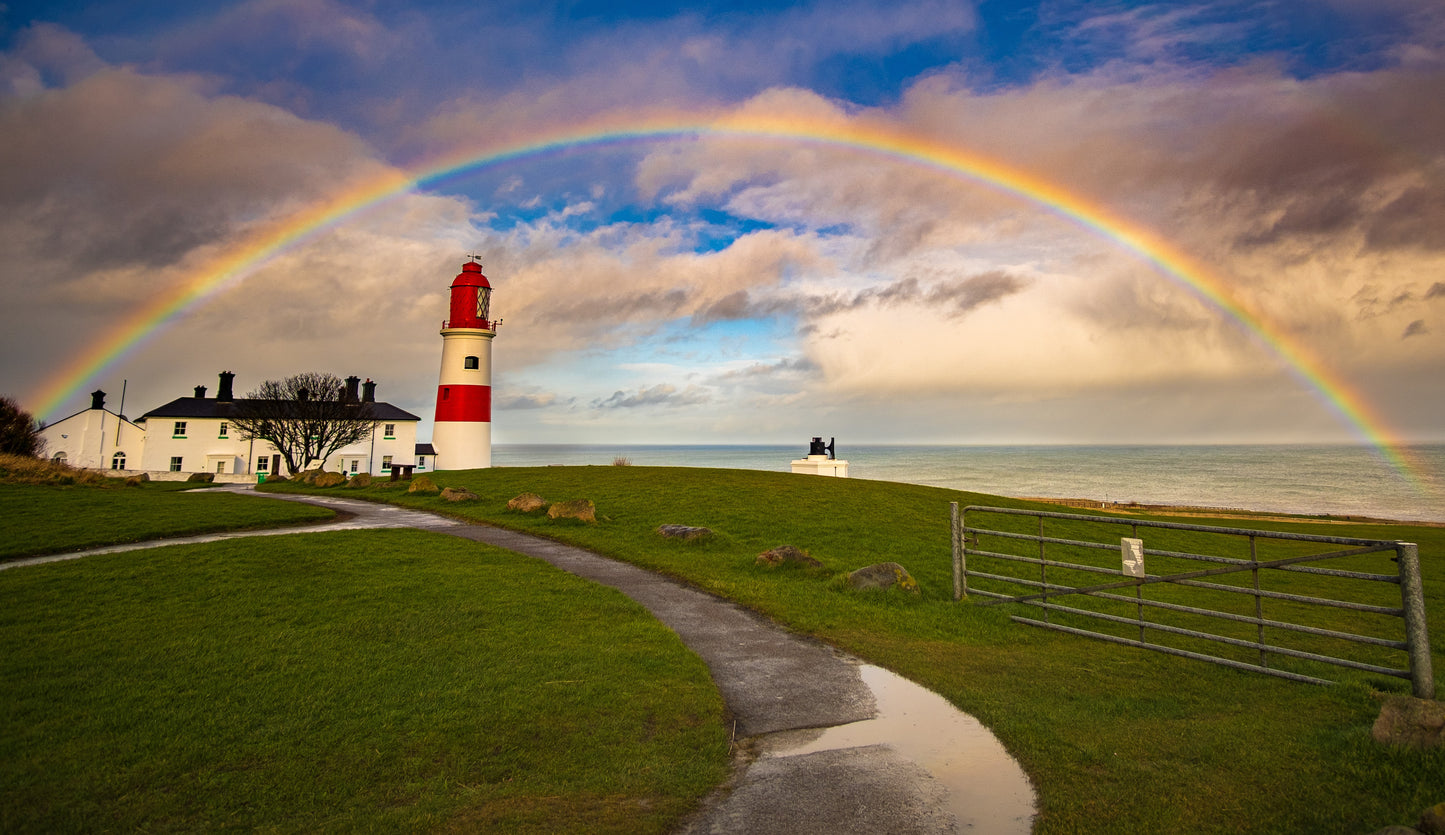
483	297
472	362
117	461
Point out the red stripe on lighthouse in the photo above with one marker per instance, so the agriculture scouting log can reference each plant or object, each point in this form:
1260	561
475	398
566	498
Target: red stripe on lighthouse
467	404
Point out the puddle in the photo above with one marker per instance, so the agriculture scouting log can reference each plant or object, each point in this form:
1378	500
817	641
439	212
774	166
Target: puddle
987	790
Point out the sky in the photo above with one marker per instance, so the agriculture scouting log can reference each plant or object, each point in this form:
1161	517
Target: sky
720	287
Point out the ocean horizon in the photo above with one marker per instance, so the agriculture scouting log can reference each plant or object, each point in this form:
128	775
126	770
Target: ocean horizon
1308	479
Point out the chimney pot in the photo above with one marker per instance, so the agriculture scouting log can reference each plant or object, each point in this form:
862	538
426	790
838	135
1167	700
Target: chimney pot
97	399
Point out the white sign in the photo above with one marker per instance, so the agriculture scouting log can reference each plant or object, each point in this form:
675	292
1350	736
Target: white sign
1133	550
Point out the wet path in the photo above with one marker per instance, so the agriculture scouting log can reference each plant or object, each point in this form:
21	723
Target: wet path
832	745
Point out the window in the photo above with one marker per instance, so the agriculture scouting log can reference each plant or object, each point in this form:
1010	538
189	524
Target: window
390	431
446	393
355	462
220	467
471	362
117	461
180	430
224	430
263	464
386	463
175	463
59	458
421	462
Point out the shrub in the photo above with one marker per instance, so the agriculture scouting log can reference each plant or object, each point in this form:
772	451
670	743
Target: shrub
19	433
24	469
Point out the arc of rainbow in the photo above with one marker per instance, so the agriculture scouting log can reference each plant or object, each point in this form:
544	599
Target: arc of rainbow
875	138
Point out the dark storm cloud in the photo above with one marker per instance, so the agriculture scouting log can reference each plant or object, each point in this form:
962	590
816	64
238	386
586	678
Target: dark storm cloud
618	306
662	394
954	298
1415	328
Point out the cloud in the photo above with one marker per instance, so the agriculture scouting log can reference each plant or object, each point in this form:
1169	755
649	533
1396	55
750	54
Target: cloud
662	394
1415	328
525	401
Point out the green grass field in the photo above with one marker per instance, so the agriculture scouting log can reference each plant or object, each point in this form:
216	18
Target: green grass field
1117	739
48	519
353	681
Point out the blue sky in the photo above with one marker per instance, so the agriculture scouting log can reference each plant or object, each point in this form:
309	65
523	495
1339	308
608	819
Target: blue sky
706	290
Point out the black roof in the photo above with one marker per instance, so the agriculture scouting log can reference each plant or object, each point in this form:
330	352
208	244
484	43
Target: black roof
209	407
425	449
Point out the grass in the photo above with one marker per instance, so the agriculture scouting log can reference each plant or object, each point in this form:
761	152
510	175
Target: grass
1117	739
49	519
379	680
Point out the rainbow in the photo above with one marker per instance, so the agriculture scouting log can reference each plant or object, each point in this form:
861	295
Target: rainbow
875	138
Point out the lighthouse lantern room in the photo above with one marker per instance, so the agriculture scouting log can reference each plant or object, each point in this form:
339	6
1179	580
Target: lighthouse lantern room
463	431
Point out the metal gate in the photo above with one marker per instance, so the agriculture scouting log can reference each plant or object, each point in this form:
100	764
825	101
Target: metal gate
1342	615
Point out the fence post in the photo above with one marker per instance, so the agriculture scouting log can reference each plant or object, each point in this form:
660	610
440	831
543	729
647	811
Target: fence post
960	583
1417	631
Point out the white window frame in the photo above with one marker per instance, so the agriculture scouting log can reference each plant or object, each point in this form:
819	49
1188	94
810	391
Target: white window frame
179	430
175	463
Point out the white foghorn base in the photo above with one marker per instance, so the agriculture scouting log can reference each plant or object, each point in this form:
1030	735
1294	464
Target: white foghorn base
462	445
821	465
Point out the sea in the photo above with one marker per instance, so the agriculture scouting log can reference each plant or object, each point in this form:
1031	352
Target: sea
1336	480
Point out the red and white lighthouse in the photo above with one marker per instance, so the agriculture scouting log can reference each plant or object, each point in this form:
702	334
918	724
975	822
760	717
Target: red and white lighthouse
463	432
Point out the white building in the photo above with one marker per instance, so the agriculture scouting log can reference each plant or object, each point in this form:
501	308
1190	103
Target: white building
197	434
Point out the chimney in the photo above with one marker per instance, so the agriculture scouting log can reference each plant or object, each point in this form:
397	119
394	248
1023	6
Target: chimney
351	383
97	399
223	391
200	392
368	391
303	395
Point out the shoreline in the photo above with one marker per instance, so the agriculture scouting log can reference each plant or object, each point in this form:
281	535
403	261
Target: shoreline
1222	512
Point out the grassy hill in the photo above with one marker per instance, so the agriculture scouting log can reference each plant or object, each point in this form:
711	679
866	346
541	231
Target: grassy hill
1117	739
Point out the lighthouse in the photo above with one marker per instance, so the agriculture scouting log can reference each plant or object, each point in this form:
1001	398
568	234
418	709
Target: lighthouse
463	432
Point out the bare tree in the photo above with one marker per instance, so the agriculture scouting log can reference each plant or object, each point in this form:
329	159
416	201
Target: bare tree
307	417
19	432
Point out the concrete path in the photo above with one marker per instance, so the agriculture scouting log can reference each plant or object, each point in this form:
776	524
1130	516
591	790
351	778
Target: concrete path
816	754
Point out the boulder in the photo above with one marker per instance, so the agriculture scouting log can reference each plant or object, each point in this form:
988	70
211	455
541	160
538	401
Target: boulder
458	494
687	533
581	509
1410	722
424	486
787	554
884	575
326	479
276	479
1432	820
201	478
527	503
359	481
137	480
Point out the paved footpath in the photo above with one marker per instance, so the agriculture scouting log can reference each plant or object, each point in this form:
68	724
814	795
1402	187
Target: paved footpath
782	690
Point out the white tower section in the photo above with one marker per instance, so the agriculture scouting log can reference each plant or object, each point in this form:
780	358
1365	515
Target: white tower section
463	431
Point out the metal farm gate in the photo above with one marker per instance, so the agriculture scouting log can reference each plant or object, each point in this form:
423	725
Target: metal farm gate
1209	591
